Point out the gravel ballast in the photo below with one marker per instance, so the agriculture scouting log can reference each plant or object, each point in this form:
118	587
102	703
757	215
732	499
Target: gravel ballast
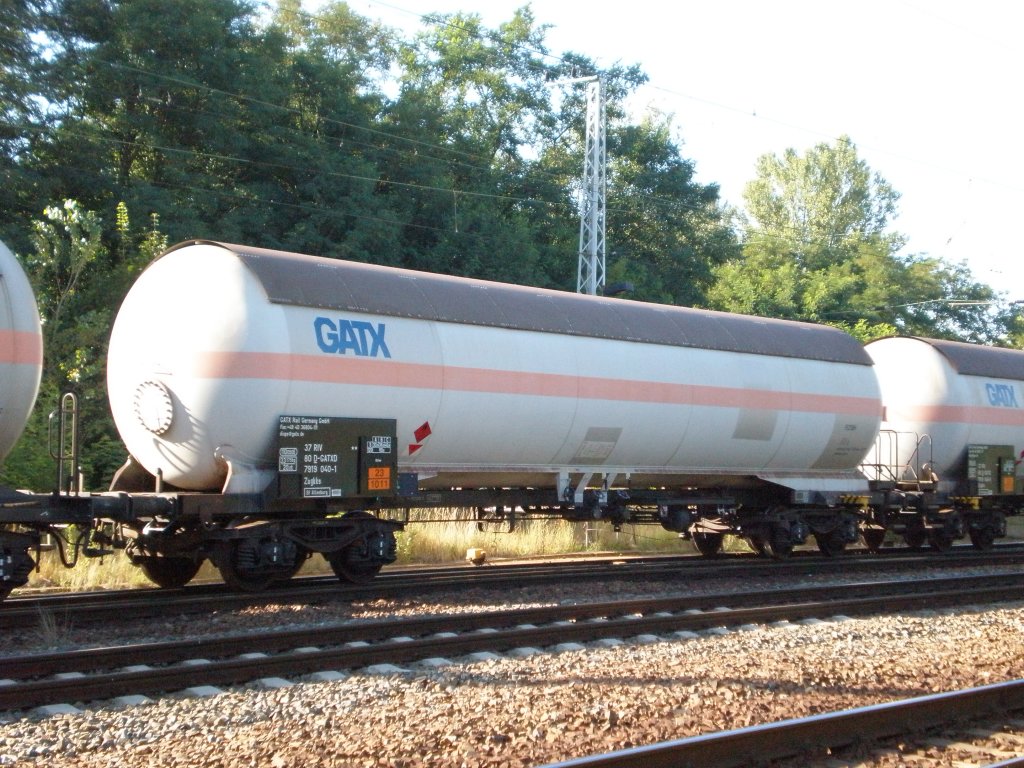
544	707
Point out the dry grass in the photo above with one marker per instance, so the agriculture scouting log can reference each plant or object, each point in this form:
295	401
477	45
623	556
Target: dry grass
449	541
53	630
109	572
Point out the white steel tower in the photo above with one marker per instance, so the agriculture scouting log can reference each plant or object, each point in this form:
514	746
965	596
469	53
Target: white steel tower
590	274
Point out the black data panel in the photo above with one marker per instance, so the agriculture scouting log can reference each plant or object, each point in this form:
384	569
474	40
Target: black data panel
992	470
335	458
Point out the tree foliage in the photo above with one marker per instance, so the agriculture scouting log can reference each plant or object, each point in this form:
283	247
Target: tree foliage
666	229
78	289
19	115
819	247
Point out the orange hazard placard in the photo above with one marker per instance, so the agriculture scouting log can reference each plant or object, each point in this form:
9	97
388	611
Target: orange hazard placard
378	478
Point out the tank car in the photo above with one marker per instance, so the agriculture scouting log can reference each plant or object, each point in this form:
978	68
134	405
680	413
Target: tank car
950	442
21	350
457	392
21	366
487	382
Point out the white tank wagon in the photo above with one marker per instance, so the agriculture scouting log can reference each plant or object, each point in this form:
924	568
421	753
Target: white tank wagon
486	381
21	350
594	401
953	424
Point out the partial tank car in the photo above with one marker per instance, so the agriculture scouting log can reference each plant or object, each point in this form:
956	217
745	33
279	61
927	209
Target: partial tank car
21	350
953	420
950	395
21	367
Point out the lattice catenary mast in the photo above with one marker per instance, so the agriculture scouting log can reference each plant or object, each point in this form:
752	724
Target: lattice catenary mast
591	271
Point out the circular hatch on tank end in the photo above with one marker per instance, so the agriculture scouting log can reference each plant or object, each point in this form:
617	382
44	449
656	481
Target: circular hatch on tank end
154	408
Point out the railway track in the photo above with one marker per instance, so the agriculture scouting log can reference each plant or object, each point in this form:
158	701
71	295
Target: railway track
970	727
97	674
96	607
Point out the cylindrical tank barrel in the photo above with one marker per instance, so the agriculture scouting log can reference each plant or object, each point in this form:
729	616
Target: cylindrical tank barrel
489	383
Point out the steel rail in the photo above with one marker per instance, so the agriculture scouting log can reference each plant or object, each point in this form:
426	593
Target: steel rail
144	602
22	667
147	602
41	664
809	737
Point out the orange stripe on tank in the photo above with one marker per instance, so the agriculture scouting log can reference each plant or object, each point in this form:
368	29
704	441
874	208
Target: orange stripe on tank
386	373
20	348
957	414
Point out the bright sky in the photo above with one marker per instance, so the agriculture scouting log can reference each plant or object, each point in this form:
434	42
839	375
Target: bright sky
929	91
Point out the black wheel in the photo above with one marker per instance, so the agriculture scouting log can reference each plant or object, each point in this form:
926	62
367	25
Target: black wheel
830	544
169	572
758	544
232	559
351	563
352	573
940	542
237	561
708	544
777	547
18	566
983	538
915	539
301	556
874	538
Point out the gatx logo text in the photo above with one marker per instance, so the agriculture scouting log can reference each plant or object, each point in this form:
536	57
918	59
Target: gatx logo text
1001	395
356	337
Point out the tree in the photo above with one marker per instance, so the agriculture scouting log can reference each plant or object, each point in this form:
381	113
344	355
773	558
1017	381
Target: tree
143	107
79	282
471	104
822	205
668	232
818	247
492	190
19	115
1012	318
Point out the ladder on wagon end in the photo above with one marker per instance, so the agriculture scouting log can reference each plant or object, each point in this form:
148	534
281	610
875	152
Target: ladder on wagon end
63	445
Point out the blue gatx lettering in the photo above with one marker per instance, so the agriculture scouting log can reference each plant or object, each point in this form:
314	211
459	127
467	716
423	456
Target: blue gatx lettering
341	337
1001	395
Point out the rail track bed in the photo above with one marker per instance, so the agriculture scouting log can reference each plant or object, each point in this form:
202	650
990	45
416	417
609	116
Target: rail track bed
521	687
430	644
41	679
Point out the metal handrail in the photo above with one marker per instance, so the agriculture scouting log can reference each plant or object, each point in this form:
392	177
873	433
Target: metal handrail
64	447
889	468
